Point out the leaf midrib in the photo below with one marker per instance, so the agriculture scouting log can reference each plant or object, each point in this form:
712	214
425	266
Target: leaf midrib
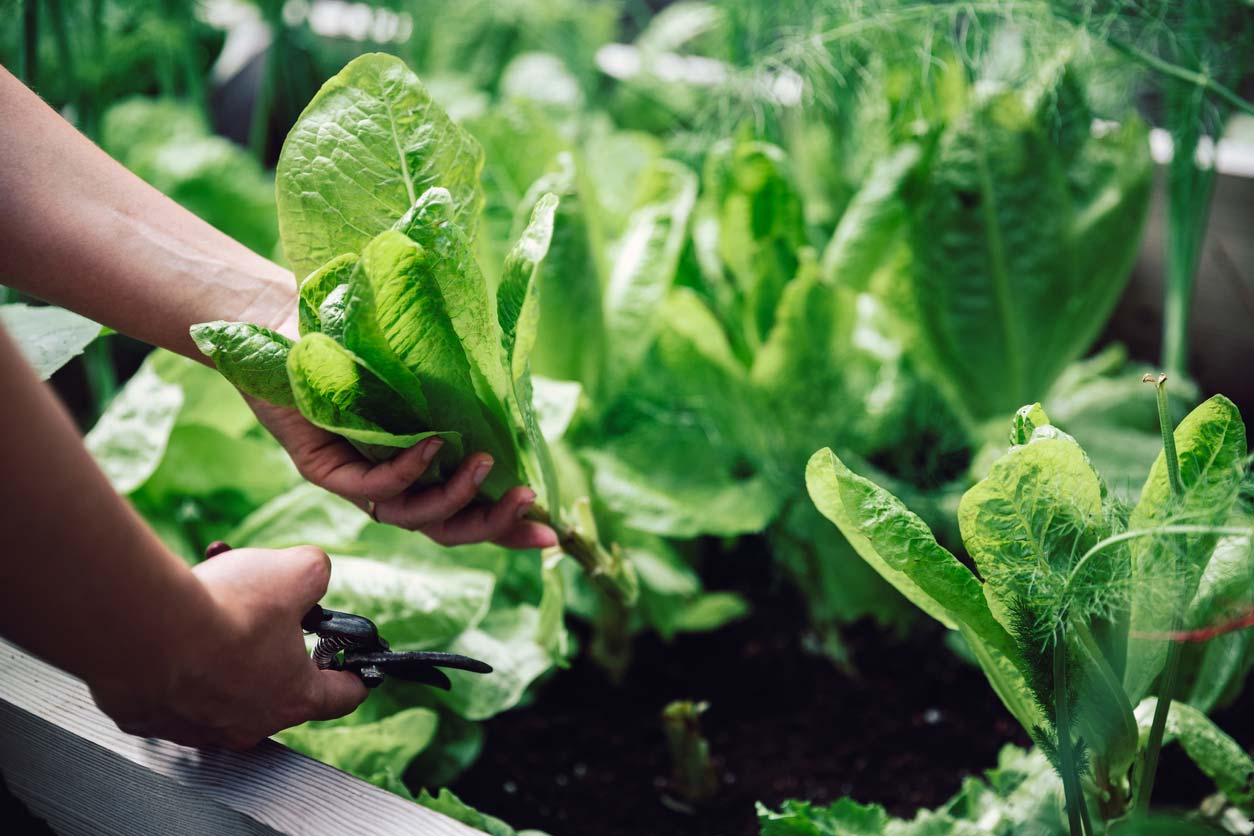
997	259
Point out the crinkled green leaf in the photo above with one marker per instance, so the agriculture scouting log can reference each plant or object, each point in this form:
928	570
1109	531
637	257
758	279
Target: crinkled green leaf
506	640
681	452
455	275
570	338
871	223
1016	262
1219	756
315	288
377	751
336	392
747	233
1026	523
805	369
416	606
458	810
48	337
368	144
844	817
130	438
643	263
1210	446
253	358
518	311
397	286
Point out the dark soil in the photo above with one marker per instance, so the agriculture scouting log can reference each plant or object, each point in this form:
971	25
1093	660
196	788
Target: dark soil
589	757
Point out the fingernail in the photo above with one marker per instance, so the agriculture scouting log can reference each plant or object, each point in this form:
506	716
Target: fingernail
529	499
430	447
481	472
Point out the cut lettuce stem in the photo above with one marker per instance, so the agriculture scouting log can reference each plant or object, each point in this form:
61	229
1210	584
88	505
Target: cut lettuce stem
607	569
1166	682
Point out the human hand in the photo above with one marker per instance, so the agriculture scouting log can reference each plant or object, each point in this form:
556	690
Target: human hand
240	672
446	513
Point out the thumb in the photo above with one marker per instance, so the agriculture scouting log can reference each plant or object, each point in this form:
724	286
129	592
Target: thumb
335	693
298	576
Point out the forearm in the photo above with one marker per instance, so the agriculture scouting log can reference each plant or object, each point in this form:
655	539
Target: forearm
83	582
80	231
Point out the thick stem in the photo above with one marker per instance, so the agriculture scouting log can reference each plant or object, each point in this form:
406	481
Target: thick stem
1066	757
1189	190
605	568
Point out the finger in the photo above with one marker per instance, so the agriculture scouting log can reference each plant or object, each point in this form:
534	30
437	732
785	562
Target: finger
388	480
336	693
436	504
484	523
527	534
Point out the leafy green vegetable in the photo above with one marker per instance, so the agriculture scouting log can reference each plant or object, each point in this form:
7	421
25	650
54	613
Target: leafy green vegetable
401	338
1049	621
1005	282
368	144
48	337
375	750
253	358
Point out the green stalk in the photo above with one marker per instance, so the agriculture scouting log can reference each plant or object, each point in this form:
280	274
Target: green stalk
1167	682
263	104
1174	482
1072	792
605	568
102	377
1189	190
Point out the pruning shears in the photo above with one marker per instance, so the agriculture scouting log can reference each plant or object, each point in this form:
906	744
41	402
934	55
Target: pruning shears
366	653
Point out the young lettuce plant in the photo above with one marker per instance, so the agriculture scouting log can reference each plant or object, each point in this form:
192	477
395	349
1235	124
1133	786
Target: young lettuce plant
378	197
1073	598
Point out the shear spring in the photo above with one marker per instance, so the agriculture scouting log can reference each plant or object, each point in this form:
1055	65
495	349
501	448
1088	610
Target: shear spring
325	650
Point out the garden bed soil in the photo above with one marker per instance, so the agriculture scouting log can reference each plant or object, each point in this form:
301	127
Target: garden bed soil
589	757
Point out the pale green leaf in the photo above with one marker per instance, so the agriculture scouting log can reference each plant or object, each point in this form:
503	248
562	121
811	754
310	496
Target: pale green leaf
48	337
368	144
1210	446
644	261
416	606
506	640
129	440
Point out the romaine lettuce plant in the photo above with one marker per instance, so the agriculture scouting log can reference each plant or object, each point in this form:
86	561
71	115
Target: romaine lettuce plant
401	339
1075	597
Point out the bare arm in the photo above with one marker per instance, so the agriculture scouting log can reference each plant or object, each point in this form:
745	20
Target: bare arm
79	230
82	232
86	585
